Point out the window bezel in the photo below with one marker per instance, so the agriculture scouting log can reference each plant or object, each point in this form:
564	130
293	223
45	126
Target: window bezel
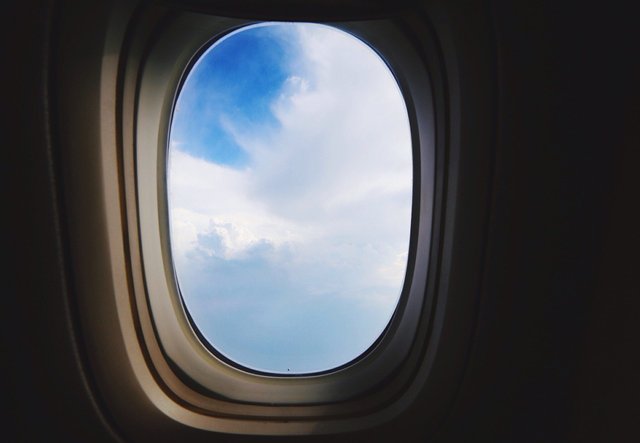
182	40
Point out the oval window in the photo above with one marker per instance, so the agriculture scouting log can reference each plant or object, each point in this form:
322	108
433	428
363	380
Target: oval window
289	190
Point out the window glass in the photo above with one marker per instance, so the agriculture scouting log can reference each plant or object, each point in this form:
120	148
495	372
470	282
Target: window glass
289	190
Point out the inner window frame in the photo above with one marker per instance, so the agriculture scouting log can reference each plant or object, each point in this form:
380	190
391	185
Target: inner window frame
193	325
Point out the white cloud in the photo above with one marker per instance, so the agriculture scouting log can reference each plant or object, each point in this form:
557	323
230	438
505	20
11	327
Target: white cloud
328	192
206	197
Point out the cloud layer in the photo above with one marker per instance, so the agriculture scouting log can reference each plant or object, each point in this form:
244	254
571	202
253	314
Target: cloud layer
294	261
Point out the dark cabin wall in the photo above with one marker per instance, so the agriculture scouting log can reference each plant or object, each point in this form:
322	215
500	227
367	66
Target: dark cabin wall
45	389
554	356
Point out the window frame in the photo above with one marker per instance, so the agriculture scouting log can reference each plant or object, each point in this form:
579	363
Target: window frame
133	373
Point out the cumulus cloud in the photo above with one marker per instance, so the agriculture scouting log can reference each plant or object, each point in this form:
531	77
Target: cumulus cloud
295	261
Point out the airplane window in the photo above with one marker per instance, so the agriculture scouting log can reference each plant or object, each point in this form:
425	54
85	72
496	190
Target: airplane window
289	178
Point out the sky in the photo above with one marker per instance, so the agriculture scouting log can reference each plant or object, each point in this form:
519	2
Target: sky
289	187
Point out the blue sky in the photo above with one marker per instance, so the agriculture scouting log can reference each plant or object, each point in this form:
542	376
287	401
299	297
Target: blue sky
290	196
236	80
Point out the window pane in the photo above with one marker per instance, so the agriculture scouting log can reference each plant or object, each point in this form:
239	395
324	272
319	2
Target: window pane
289	187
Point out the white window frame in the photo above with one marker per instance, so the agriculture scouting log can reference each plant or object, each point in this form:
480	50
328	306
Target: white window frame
151	372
